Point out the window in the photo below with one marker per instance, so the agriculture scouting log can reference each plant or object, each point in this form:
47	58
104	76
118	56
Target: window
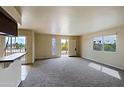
15	45
98	44
106	43
54	46
110	43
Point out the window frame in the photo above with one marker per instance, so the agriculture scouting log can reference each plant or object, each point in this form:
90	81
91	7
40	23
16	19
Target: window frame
54	52
115	43
10	46
103	36
101	43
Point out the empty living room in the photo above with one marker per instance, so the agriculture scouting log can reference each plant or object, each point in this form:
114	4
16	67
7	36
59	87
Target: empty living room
61	46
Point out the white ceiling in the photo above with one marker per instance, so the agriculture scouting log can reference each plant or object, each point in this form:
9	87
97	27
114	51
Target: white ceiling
71	20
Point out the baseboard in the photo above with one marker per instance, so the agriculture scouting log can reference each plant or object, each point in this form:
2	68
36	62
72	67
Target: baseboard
108	65
46	58
74	56
27	64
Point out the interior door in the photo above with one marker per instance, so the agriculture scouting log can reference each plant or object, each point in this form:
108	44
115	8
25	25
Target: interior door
72	48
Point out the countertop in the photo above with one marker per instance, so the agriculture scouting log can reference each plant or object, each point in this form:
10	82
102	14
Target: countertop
11	58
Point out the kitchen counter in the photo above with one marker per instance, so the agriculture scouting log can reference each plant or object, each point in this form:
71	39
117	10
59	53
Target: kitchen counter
11	58
10	72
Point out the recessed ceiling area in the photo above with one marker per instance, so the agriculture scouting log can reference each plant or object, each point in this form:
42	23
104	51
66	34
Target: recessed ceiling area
71	20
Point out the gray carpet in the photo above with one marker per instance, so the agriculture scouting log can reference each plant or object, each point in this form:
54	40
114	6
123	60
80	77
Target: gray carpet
72	72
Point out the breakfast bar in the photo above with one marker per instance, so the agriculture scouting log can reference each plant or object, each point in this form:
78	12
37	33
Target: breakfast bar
10	70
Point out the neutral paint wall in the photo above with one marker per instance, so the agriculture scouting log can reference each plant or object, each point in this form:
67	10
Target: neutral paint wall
29	34
115	59
43	45
2	45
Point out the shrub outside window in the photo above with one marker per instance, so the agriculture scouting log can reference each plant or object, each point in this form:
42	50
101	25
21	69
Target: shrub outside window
110	43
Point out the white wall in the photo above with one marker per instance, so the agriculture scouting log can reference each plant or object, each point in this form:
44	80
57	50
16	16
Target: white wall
30	47
43	45
115	59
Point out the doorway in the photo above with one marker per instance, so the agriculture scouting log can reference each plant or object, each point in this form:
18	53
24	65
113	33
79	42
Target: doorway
64	47
72	48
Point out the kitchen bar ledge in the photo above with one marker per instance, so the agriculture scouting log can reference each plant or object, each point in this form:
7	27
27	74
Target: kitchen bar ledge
11	58
10	70
7	60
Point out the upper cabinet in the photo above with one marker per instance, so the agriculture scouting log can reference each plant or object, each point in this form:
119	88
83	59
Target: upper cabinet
9	19
13	12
